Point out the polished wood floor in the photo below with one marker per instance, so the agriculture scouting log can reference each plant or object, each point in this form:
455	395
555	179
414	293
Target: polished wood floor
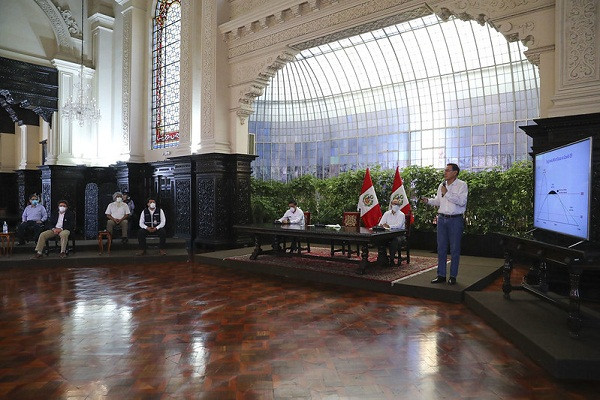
186	331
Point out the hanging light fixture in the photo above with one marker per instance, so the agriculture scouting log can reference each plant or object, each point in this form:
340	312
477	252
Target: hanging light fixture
78	106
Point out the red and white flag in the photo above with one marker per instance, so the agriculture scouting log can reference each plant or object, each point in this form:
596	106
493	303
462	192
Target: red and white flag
368	205
398	193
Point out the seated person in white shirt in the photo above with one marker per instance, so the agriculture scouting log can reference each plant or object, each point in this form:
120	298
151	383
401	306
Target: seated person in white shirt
152	220
117	213
393	219
62	223
294	215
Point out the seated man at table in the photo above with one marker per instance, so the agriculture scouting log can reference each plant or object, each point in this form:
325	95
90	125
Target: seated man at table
293	215
33	219
62	223
152	220
117	213
393	219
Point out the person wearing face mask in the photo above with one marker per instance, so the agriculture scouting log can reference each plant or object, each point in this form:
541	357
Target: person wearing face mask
293	215
117	213
152	220
393	219
62	223
33	219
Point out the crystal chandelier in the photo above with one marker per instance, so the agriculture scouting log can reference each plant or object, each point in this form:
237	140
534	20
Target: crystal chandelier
78	106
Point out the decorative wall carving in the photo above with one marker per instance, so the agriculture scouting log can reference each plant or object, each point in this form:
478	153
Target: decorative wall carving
72	25
205	202
126	80
185	65
183	205
61	30
209	70
582	44
328	21
91	211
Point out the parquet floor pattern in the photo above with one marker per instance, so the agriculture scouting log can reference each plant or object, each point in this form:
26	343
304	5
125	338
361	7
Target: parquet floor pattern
185	331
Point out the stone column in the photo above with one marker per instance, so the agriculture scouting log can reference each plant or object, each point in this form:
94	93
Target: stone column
133	79
70	142
102	36
577	58
28	148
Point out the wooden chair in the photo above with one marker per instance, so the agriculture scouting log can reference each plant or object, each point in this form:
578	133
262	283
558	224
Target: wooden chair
350	219
404	244
306	223
299	247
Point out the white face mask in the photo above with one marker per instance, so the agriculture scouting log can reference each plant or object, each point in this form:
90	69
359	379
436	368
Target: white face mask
119	199
152	206
62	209
293	209
396	208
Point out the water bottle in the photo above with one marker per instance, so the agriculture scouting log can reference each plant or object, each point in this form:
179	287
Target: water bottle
5	227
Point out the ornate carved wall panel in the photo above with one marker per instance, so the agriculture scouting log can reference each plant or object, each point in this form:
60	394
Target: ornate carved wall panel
28	182
90	222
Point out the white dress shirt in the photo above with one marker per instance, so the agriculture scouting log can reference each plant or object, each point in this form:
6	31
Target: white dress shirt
117	210
163	220
59	221
454	201
395	220
296	217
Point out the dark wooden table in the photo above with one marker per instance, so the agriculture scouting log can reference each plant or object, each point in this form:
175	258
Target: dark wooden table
363	237
575	260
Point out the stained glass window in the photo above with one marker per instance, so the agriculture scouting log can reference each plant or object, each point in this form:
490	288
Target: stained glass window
166	55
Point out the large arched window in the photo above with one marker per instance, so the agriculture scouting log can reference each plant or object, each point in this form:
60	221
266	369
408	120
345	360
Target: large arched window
166	55
423	92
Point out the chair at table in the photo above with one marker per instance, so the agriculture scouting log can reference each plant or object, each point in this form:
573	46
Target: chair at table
404	243
299	247
306	223
350	219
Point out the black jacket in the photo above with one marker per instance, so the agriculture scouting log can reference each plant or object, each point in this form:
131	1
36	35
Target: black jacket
68	221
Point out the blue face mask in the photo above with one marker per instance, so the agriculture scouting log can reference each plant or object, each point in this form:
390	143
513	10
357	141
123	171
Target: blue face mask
34	202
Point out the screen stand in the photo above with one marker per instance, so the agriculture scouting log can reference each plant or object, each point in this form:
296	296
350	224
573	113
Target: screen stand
575	244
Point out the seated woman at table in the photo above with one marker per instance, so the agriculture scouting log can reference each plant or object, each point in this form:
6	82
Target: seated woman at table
393	219
293	215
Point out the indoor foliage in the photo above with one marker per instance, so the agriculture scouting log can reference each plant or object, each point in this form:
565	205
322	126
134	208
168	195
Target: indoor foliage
499	200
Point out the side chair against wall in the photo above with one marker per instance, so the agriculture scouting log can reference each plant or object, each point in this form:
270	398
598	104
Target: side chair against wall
350	219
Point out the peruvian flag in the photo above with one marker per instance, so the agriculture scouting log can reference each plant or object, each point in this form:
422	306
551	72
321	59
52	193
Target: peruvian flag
399	194
368	205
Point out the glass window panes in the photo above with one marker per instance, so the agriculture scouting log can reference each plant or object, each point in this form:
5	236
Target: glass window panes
422	92
166	54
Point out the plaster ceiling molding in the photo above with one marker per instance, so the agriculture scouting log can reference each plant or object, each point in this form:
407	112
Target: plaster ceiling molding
251	90
342	16
72	25
267	15
368	27
582	42
62	31
529	21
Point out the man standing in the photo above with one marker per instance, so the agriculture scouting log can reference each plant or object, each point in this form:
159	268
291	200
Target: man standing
33	218
451	198
117	213
152	220
62	222
393	219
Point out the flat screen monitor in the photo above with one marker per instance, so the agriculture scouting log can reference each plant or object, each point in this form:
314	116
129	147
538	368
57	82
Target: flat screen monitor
563	178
